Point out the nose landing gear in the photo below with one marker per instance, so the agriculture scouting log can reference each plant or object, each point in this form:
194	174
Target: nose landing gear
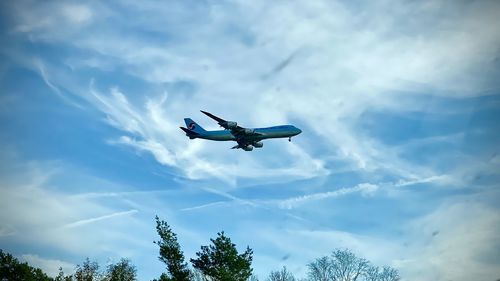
290	139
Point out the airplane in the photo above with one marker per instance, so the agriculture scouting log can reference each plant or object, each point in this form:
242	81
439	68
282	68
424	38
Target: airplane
247	138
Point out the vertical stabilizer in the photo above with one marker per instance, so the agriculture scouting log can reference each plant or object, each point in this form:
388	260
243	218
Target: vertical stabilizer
193	126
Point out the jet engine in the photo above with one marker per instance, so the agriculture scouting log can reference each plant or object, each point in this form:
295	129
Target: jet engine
231	124
258	144
248	148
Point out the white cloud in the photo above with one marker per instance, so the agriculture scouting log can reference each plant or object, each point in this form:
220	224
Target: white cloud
458	241
154	131
76	13
7	230
49	266
350	58
304	245
50	20
36	209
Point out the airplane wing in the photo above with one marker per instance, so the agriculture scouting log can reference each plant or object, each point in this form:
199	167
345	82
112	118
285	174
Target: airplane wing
241	134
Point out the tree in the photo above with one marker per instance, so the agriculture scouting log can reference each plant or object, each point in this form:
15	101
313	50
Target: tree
88	271
62	277
374	273
221	261
170	253
343	265
121	271
12	269
320	270
347	266
281	275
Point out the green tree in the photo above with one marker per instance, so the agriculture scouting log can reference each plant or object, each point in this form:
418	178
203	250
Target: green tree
171	254
221	261
121	271
88	271
281	275
12	269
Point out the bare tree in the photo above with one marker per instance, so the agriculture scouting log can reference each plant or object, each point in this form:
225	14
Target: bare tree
372	273
281	275
320	270
347	266
344	265
386	273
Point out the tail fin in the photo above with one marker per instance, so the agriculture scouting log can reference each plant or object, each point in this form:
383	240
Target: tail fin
193	126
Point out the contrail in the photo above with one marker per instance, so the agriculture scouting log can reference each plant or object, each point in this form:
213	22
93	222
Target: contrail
205	205
96	219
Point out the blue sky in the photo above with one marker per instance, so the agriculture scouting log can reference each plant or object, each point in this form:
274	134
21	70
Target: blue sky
398	102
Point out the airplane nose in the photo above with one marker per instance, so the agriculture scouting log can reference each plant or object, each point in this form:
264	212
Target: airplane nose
298	131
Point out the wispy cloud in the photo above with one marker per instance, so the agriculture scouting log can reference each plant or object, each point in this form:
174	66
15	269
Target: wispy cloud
41	68
354	83
347	74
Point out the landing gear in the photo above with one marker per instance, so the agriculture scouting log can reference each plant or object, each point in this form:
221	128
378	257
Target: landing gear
290	139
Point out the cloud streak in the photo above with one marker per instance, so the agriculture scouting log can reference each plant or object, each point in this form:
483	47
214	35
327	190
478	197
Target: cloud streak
97	219
366	189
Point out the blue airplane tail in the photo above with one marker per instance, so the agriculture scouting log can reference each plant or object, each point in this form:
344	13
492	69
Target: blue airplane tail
193	126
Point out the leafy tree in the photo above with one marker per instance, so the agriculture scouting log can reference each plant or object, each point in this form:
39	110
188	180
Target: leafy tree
12	269
121	271
196	275
88	271
281	275
221	261
171	254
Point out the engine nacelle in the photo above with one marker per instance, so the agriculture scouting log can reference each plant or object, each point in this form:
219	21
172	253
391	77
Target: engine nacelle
258	144
231	124
248	148
249	131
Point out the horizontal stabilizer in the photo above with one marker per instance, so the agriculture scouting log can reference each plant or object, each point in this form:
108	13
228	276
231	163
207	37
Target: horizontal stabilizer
190	133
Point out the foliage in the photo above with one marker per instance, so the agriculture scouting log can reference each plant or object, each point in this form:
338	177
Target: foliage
221	261
88	271
62	277
12	269
121	271
281	275
171	254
